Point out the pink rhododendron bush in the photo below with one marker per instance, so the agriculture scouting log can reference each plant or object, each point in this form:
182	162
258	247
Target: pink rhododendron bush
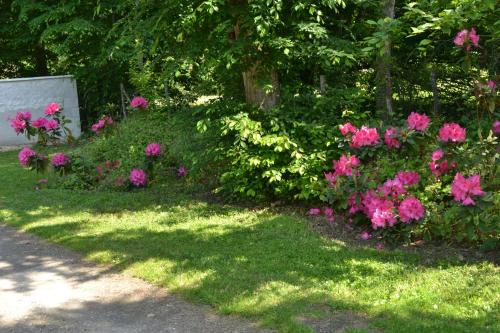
48	129
423	179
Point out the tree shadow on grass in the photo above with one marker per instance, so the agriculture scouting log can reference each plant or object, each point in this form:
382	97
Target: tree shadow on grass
272	271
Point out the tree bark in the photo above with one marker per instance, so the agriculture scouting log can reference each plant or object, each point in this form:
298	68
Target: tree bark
253	76
384	76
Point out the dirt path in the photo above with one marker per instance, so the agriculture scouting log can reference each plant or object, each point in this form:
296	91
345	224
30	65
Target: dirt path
45	288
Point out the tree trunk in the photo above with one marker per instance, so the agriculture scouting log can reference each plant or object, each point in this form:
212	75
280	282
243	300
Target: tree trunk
253	76
384	77
41	68
435	92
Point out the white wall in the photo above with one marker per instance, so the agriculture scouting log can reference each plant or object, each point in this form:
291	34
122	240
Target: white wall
33	94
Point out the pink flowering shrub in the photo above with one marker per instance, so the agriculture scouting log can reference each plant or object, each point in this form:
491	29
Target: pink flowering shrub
465	38
413	185
102	125
30	159
138	178
139	102
153	150
49	129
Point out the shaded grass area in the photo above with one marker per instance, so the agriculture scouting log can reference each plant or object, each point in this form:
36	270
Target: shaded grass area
265	266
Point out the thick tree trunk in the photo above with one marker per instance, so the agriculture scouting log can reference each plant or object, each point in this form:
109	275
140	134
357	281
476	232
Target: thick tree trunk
384	76
256	92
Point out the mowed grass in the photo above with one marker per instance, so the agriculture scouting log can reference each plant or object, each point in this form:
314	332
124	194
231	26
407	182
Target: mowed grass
268	267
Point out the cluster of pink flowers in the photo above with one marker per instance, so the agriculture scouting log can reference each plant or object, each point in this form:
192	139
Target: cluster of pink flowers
390	138
381	206
465	38
327	212
139	102
52	109
439	168
366	136
496	127
418	122
101	124
464	189
21	121
25	155
138	177
153	150
181	171
452	132
347	128
60	160
345	166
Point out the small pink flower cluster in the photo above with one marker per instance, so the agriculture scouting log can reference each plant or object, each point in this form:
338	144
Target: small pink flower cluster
327	212
181	171
390	138
138	177
153	150
345	166
139	102
452	132
464	189
465	38
52	109
439	168
21	121
496	127
381	206
60	160
101	124
418	122
25	155
366	136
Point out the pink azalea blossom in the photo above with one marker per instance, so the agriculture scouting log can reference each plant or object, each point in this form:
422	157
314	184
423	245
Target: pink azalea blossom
51	125
24	156
181	172
365	235
441	168
39	123
331	178
328	212
496	127
353	204
153	149
18	125
139	102
393	187
461	37
452	132
410	209
23	115
437	155
59	160
380	246
345	165
408	178
418	122
314	211
390	138
464	189
383	216
347	128
365	137
474	37
491	84
52	109
138	177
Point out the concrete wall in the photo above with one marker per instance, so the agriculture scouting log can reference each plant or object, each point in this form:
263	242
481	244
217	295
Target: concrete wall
33	94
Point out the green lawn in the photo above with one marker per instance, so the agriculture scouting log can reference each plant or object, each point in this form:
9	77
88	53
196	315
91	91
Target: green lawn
268	267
